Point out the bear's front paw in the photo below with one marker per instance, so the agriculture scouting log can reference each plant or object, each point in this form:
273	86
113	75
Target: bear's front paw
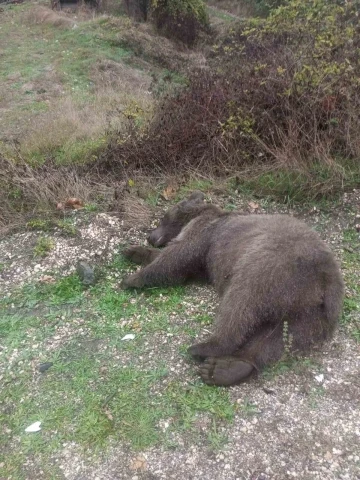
137	254
133	281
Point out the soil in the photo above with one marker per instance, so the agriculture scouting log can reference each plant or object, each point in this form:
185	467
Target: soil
304	423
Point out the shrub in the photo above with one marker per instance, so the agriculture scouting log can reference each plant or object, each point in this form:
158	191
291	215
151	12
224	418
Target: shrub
180	19
283	93
263	8
248	8
137	9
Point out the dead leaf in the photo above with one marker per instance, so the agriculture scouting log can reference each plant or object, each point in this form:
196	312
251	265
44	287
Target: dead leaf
139	463
169	192
47	279
253	205
108	414
74	203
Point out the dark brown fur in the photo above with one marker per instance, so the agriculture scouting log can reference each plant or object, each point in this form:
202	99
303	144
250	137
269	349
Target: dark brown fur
271	271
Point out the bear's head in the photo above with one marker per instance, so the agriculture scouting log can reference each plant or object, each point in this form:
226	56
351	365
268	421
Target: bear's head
176	218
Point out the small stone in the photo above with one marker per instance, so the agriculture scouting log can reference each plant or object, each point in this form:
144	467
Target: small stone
328	456
337	452
139	463
86	273
42	367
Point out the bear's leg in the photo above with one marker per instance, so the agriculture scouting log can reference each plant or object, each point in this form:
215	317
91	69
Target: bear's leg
141	255
265	347
236	320
173	266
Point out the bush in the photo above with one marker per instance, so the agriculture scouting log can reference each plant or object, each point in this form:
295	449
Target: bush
283	93
137	9
263	8
248	8
180	19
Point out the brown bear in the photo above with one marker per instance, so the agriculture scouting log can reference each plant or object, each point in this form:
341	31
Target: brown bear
280	286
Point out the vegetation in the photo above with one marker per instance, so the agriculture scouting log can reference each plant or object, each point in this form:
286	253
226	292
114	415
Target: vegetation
266	106
180	19
97	388
279	106
247	8
276	109
43	247
351	263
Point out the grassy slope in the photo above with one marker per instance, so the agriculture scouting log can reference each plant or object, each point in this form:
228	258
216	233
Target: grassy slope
53	80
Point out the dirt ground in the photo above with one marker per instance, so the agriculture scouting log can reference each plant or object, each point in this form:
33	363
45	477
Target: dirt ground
302	421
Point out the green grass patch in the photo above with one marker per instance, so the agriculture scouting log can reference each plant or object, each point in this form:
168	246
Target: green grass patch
99	388
318	182
298	365
66	226
43	246
67	290
80	152
73	51
351	268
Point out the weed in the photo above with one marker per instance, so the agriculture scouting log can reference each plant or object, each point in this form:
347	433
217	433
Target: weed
39	224
314	395
287	340
91	207
247	408
43	246
295	364
66	226
182	20
95	392
153	198
217	440
351	268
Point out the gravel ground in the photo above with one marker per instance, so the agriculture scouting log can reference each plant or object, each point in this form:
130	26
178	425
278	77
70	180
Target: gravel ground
304	423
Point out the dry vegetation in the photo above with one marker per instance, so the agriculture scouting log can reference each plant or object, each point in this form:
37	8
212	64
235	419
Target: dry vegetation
70	81
42	15
240	8
271	103
281	96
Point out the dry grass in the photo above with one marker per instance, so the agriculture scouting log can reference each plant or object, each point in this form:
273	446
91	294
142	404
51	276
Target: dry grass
294	112
43	15
134	211
62	111
25	190
69	121
146	44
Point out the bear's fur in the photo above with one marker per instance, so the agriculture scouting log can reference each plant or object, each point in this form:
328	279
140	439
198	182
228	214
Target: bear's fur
280	286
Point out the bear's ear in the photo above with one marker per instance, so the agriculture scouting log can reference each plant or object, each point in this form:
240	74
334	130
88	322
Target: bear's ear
197	196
